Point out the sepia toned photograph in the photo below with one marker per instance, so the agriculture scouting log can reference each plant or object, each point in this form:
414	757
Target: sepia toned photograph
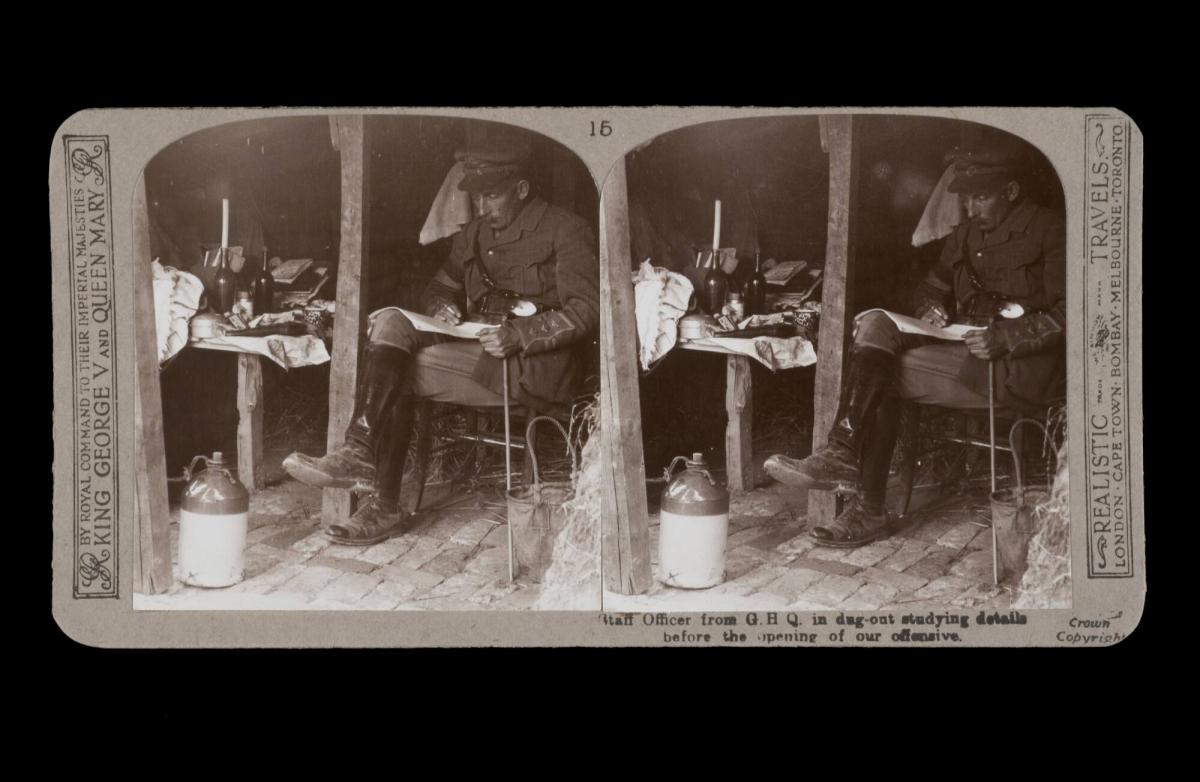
378	357
597	376
851	366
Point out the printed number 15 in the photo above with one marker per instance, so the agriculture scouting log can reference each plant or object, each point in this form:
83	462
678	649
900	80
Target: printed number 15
605	129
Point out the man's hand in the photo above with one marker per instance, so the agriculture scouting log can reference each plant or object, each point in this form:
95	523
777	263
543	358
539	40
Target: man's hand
935	315
500	342
448	312
985	344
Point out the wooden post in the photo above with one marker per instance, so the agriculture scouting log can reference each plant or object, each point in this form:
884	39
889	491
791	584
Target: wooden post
250	420
625	519
354	144
841	142
739	431
152	565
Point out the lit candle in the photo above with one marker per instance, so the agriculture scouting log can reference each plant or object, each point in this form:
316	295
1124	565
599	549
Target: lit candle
717	228
224	222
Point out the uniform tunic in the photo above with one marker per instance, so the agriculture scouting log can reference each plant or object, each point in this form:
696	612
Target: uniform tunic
546	255
1023	260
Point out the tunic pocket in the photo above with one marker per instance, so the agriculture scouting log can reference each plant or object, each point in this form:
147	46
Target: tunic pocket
526	275
1017	269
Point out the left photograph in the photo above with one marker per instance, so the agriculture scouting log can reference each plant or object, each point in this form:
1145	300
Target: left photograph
368	368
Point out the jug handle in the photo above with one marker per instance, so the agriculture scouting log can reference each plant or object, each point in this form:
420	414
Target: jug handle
190	470
667	472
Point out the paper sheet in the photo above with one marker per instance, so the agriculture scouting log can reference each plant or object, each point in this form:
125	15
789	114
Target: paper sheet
955	331
773	353
287	352
465	330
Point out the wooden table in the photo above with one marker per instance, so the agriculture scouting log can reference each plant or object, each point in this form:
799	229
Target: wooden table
250	415
739	407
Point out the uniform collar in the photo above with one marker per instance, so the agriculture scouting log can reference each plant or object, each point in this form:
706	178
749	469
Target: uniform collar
528	220
1016	222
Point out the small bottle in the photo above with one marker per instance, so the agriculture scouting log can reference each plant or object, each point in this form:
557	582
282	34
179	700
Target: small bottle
264	288
244	306
737	309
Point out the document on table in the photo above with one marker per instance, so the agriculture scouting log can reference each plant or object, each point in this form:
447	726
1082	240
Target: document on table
772	352
468	329
955	331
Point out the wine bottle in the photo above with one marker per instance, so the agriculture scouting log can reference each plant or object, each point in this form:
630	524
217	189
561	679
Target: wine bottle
224	284
716	286
754	290
263	288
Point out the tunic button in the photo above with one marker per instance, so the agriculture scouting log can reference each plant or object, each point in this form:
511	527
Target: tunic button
491	252
979	254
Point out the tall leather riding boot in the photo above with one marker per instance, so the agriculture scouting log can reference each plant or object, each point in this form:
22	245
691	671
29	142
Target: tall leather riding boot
379	515
834	466
393	453
877	454
865	518
352	464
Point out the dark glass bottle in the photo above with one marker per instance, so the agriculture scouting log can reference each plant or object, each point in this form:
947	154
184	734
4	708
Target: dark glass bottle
263	288
754	290
224	287
716	286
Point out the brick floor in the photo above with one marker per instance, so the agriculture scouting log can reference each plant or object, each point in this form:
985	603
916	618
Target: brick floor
739	563
874	595
934	564
938	560
451	560
793	583
421	580
825	566
310	581
457	559
872	553
977	594
945	588
388	550
976	566
385	596
753	581
350	587
832	590
775	538
472	533
286	537
490	563
497	537
422	551
341	563
958	536
909	553
904	582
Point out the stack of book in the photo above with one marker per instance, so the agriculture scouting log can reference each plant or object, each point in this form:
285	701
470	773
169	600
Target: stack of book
299	281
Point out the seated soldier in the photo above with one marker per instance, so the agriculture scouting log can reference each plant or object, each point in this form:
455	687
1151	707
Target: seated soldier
1004	269
518	244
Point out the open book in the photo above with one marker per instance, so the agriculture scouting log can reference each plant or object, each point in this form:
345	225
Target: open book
955	331
465	330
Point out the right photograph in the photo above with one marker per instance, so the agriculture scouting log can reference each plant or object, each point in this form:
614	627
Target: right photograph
834	369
